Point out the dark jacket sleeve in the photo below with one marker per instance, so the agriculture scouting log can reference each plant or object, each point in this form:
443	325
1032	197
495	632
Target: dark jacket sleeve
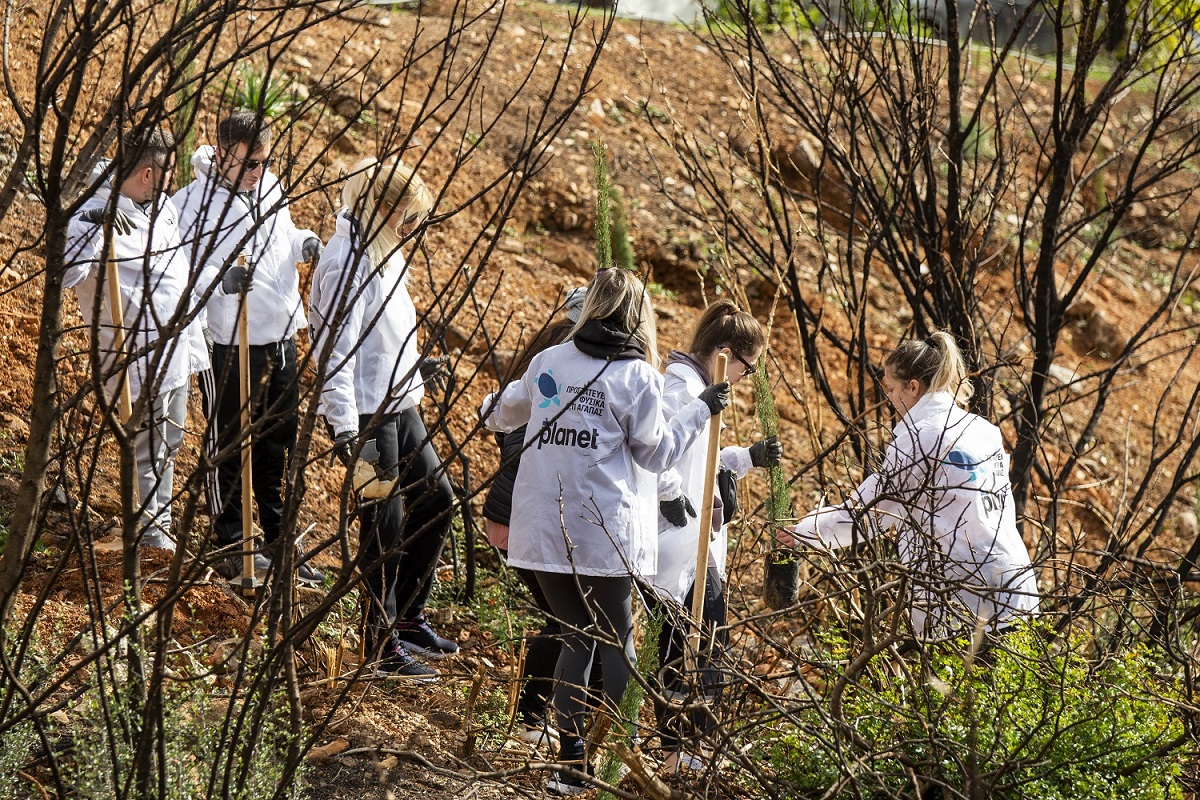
498	506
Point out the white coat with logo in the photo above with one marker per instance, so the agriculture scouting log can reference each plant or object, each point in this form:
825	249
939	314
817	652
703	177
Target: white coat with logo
217	225
585	499
944	487
153	272
366	316
677	546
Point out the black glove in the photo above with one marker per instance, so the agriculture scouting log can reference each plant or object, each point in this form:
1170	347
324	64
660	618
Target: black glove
728	489
121	223
673	510
343	448
716	397
766	453
310	251
237	279
434	369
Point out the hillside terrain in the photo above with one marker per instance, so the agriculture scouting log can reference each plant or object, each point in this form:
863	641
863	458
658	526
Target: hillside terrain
651	82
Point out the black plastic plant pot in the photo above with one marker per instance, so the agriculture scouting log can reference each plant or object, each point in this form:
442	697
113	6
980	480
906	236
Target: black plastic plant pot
781	583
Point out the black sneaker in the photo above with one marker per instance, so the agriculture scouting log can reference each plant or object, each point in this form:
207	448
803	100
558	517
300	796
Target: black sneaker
306	573
563	785
416	636
572	752
395	662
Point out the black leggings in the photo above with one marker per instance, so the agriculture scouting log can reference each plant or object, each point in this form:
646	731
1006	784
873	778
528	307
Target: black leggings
674	728
591	611
402	536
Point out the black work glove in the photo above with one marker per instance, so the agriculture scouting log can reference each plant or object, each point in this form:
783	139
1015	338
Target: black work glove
673	510
121	222
237	279
716	397
310	251
343	448
766	453
434	369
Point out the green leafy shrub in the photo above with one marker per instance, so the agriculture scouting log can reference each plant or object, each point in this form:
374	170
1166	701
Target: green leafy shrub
1040	720
16	744
257	89
199	747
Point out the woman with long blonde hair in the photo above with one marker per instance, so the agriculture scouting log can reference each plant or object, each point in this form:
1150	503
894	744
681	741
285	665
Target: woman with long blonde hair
364	333
585	502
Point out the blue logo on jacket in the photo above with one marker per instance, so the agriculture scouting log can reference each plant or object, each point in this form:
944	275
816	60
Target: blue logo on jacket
960	460
549	388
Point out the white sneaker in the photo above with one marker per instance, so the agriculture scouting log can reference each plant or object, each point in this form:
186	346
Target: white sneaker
158	539
679	761
539	735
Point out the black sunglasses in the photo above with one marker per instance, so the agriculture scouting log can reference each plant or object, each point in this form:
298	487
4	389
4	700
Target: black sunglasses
252	164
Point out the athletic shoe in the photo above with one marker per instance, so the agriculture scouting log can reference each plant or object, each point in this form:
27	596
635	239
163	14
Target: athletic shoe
306	573
562	785
416	636
157	539
395	662
679	761
572	752
537	732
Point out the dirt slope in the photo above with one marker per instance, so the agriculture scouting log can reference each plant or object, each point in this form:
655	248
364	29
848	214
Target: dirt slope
647	72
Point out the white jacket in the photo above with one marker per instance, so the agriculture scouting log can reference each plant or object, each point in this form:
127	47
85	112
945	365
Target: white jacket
217	225
585	499
677	546
944	486
374	363
153	272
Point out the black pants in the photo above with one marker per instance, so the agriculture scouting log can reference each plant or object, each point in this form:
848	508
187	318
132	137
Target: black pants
274	399
675	728
596	615
541	657
402	536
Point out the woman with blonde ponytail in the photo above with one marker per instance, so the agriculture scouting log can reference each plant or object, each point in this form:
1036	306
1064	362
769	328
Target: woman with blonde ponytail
943	487
584	511
372	379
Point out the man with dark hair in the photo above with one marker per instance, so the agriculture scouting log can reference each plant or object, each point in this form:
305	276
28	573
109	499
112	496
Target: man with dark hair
137	228
237	207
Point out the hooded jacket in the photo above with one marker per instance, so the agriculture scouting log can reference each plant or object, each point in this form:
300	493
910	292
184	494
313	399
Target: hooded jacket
365	314
153	272
585	498
498	505
682	384
218	224
944	487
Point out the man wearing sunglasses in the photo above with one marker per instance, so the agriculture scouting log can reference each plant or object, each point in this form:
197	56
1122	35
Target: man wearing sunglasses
234	207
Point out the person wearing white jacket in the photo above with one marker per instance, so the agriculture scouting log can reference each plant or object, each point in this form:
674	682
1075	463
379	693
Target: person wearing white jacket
584	510
156	304
236	206
371	380
721	329
944	488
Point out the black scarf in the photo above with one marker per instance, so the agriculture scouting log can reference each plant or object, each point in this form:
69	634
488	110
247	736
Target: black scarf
607	339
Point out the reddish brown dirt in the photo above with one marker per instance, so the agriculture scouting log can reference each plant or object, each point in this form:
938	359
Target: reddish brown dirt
552	251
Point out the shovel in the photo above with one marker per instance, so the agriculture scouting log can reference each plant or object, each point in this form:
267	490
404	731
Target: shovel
248	582
706	512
